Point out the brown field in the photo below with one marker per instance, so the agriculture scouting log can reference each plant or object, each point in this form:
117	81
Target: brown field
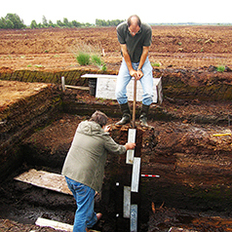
53	49
183	149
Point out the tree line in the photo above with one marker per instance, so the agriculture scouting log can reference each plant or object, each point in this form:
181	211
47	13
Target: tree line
13	21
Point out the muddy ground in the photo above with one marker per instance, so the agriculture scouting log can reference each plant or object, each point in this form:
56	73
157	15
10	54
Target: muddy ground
183	145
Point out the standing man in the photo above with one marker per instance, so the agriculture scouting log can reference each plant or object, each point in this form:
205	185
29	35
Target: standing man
84	166
135	38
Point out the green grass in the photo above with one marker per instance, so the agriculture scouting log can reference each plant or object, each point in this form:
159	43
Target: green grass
155	64
83	58
221	68
39	66
87	54
103	67
96	60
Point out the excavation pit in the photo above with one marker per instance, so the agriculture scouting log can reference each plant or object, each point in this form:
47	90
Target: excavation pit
194	188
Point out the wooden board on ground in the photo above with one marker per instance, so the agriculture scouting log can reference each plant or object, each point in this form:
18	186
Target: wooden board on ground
45	179
76	87
42	222
176	229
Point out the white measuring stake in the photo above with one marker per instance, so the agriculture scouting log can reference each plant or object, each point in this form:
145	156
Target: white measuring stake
135	175
63	83
127	202
133	218
131	139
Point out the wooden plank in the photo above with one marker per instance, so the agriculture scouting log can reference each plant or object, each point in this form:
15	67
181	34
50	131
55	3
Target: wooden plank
176	229
135	174
77	87
126	201
43	179
99	76
42	222
134	218
71	86
131	139
53	224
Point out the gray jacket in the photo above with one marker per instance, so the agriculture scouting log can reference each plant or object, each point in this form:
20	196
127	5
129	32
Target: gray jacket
87	155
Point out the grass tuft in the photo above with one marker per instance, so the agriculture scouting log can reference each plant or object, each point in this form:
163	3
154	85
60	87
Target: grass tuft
221	68
83	58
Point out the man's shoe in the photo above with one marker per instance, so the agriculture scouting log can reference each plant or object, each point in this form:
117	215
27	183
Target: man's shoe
143	120
126	118
143	115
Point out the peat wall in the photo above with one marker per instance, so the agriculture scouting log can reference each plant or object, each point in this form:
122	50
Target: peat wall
187	84
202	85
72	77
21	119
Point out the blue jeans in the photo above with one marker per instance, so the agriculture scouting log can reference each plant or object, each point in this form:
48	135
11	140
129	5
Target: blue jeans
85	216
146	81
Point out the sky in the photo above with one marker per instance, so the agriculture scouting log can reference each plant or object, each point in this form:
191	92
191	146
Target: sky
152	11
